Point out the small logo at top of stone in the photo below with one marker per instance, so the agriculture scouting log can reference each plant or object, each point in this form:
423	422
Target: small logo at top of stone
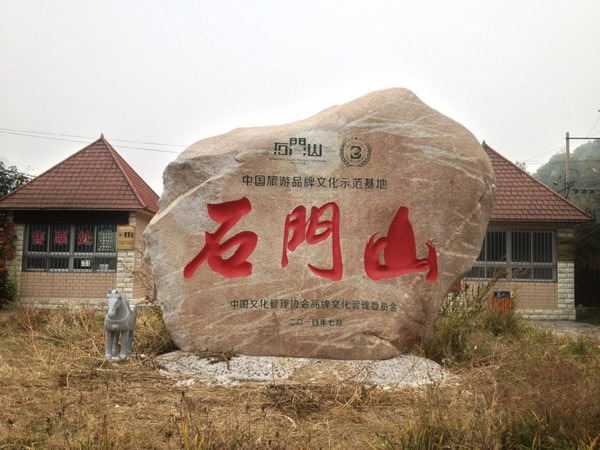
298	146
355	152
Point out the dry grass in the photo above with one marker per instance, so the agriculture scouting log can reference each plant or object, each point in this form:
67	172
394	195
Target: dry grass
525	390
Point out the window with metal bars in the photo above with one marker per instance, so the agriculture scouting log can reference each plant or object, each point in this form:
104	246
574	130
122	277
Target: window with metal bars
70	248
517	255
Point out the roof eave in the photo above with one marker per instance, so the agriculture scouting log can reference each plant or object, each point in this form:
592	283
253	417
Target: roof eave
538	221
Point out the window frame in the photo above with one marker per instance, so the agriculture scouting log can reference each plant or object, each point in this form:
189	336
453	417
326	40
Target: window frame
74	254
508	265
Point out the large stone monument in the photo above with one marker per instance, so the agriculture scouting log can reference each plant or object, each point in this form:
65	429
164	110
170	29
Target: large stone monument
336	236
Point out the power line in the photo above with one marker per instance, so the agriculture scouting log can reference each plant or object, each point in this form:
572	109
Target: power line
90	137
42	137
542	154
529	161
594	126
572	161
86	142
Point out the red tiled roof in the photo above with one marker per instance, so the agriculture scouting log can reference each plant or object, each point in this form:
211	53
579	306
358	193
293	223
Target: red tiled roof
96	177
520	197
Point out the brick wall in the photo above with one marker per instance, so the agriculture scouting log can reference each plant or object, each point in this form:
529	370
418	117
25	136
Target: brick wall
542	300
532	296
126	266
15	265
60	289
561	304
71	285
134	277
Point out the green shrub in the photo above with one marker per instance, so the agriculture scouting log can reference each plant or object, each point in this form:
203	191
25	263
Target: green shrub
8	289
458	319
152	336
466	325
501	323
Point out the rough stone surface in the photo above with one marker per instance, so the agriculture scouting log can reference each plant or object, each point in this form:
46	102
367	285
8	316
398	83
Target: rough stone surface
385	158
399	372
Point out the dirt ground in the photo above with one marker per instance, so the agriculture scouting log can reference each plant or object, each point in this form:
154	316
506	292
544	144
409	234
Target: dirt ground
534	390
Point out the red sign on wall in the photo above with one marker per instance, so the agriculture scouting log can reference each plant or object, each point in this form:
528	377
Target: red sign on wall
38	237
84	238
61	237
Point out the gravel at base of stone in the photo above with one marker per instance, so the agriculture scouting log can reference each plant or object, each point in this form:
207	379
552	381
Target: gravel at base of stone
399	372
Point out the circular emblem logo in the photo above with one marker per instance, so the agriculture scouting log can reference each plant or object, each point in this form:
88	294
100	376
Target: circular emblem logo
355	152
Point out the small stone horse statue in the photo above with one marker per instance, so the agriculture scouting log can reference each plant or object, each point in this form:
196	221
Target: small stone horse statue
119	322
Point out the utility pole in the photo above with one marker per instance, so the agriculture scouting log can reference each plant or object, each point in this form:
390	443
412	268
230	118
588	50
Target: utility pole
567	163
568	182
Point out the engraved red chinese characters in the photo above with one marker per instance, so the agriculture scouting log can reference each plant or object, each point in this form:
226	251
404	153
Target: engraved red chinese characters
304	230
236	266
399	252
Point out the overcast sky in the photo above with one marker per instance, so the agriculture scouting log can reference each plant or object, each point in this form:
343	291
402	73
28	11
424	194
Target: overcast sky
518	74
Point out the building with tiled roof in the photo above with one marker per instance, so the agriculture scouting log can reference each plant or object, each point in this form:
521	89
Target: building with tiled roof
94	178
79	229
522	198
530	243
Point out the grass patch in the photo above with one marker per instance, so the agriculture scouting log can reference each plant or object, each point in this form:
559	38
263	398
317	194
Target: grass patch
466	327
515	387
